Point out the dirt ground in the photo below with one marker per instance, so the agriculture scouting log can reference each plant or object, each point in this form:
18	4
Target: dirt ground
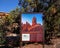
33	46
56	44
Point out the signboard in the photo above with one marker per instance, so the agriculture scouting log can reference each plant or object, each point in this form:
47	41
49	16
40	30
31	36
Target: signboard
25	37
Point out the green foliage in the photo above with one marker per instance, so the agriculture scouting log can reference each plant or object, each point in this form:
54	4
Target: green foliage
2	21
28	1
12	15
2	39
8	20
52	21
28	5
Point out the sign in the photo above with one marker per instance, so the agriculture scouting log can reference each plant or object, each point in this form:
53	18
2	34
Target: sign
25	37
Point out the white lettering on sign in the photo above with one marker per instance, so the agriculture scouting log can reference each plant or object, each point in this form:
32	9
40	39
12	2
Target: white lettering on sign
25	37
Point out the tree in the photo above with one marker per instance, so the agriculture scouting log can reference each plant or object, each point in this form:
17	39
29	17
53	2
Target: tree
12	15
28	5
52	22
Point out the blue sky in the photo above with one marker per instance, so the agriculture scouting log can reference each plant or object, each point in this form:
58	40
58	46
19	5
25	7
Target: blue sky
28	17
8	5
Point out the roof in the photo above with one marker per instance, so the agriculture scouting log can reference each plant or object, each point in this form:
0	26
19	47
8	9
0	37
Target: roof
38	25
